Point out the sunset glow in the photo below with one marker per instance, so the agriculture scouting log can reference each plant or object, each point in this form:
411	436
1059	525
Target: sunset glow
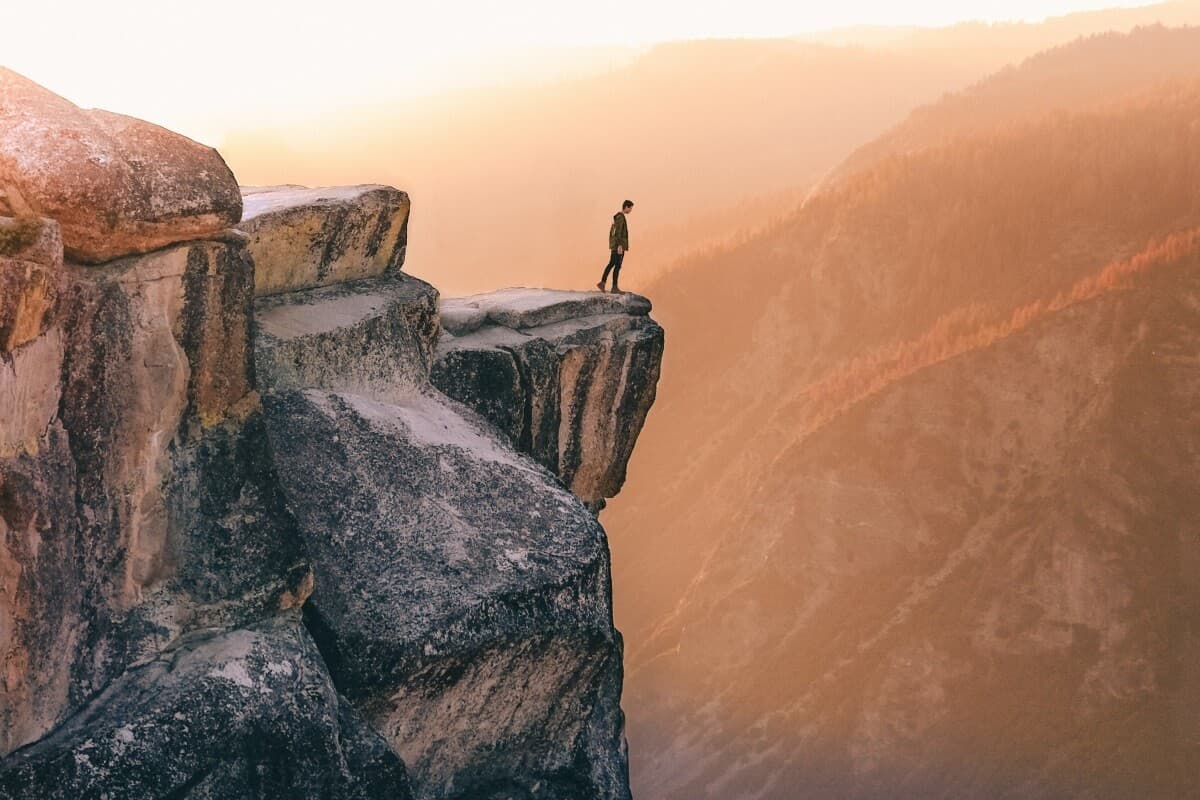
204	68
544	400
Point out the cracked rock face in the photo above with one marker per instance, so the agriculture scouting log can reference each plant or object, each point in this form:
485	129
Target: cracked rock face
250	714
301	238
568	376
116	185
374	336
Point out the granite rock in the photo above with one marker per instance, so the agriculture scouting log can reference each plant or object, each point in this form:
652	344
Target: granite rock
31	260
301	237
116	185
569	377
137	498
461	596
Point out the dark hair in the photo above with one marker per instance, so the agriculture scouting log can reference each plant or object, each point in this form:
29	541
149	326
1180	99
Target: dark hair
627	204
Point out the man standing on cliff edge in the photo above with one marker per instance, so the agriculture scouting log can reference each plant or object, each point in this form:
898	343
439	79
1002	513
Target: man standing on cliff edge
618	244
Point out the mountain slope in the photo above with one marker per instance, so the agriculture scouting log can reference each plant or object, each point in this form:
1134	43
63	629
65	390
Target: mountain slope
880	369
1074	77
977	582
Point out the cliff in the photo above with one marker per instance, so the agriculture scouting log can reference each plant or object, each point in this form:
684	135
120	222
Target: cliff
247	547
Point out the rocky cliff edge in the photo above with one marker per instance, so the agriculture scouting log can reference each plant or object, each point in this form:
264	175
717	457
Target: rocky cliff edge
275	520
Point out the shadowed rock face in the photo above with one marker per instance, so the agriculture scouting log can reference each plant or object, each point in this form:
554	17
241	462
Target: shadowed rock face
462	597
248	714
301	237
568	376
116	185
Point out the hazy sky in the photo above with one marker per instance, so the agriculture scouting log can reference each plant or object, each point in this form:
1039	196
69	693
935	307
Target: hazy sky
204	66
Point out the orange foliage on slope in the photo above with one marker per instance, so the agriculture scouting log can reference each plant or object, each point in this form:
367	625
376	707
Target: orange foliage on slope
970	328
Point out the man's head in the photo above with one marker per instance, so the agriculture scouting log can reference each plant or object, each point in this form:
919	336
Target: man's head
627	206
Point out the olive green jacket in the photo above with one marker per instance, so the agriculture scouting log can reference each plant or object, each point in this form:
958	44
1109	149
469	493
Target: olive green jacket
618	234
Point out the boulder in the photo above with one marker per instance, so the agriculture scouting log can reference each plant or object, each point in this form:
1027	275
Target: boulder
116	185
31	258
569	377
247	714
302	238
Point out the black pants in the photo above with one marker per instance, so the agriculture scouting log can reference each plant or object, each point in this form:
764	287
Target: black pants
614	266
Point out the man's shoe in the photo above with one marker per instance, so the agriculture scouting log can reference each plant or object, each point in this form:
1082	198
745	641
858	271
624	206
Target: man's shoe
600	286
615	290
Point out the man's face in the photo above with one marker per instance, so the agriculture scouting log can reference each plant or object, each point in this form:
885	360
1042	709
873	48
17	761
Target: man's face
628	209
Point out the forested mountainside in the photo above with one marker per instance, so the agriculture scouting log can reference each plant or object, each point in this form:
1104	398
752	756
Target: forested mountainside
961	380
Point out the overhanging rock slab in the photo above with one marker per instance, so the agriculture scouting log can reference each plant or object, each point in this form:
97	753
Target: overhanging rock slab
301	237
568	376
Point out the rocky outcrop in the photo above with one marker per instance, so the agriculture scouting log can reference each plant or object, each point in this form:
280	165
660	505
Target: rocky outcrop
461	599
247	549
373	336
301	237
116	185
461	595
568	376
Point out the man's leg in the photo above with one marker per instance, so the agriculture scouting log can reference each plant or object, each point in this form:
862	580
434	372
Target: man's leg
613	261
618	258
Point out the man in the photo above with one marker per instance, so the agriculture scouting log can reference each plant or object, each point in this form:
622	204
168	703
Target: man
618	244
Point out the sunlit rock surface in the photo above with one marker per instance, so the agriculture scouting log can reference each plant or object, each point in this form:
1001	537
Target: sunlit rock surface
301	237
138	498
116	185
568	376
